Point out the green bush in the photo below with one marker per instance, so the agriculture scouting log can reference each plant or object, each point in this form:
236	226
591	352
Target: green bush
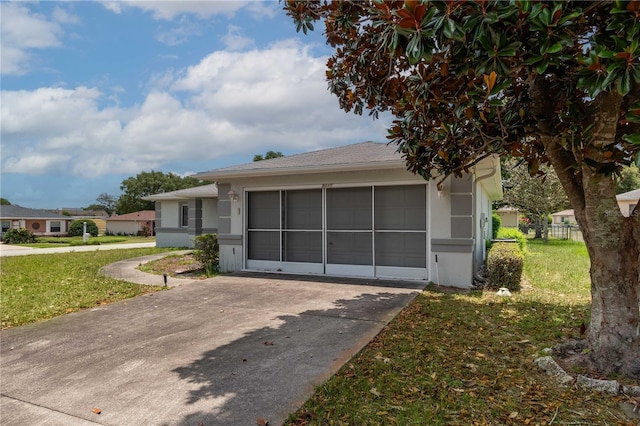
76	227
207	252
496	222
19	236
513	234
504	266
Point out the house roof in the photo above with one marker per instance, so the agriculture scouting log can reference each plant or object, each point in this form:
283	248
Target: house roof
18	212
563	213
143	215
629	196
204	191
359	156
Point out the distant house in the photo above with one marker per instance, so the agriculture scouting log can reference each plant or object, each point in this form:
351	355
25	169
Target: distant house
136	223
628	201
508	216
184	214
39	222
565	217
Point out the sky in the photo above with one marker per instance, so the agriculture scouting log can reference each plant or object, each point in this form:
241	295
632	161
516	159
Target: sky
94	92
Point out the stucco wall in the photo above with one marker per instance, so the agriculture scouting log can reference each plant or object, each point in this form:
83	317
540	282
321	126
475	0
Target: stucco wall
122	227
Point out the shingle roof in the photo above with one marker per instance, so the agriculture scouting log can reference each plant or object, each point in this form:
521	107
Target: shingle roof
18	212
144	215
629	196
364	155
204	191
563	213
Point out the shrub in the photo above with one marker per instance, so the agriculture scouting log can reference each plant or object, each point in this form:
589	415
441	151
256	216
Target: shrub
504	266
19	236
496	222
76	227
207	252
513	234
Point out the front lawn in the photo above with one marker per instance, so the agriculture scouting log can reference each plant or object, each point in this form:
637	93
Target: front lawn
48	242
467	358
37	287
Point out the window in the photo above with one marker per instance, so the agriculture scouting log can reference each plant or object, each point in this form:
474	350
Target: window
184	215
6	225
55	226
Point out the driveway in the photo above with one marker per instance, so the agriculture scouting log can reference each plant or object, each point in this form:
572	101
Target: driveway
222	351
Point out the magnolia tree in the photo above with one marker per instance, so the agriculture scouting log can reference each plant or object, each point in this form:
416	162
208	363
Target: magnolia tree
553	83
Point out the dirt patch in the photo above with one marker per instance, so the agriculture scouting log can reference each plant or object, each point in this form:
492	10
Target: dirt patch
178	266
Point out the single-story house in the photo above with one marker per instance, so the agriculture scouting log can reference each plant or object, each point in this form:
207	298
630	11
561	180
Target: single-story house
508	216
627	201
136	223
39	222
565	217
354	211
184	214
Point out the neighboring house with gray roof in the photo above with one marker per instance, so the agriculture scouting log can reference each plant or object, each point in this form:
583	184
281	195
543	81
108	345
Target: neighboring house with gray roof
182	215
135	223
353	211
39	222
628	201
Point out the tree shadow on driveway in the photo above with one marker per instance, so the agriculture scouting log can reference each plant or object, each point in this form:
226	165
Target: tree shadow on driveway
268	373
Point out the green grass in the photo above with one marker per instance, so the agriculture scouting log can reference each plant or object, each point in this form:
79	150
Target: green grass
48	242
467	358
37	287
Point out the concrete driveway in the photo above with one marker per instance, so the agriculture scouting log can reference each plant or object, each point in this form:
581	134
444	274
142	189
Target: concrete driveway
222	351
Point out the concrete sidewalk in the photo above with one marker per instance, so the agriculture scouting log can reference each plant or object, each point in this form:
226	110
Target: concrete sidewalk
221	351
12	250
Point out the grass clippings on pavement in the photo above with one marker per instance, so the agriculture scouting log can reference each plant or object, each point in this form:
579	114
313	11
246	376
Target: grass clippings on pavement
467	359
37	287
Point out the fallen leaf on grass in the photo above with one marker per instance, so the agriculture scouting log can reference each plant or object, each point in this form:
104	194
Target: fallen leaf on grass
375	392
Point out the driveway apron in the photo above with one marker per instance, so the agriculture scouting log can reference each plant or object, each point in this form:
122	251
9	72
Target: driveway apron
222	351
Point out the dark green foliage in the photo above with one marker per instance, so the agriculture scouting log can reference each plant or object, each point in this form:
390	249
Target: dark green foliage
4	202
496	223
207	252
269	155
148	183
514	234
19	236
76	228
504	266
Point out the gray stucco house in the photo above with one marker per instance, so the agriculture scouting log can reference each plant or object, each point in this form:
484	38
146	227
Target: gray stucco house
348	211
184	214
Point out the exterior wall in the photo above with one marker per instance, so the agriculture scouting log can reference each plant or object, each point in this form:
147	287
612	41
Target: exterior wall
173	239
203	219
563	219
209	215
42	227
509	219
122	227
452	232
626	206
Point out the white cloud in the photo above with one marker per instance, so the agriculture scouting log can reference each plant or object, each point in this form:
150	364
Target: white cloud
179	34
228	104
234	40
167	10
24	30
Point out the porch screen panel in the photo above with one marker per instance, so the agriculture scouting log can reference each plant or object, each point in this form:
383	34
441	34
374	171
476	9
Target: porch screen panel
349	226
400	224
302	236
263	223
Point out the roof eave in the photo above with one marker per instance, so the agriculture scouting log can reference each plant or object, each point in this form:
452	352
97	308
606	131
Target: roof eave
284	171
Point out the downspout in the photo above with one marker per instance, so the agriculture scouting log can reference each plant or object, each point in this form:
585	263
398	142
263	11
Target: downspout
478	179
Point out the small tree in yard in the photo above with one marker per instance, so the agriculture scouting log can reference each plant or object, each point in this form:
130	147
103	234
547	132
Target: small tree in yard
77	227
207	252
19	236
553	83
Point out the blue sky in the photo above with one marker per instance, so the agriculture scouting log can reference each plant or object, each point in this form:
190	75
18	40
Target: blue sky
95	92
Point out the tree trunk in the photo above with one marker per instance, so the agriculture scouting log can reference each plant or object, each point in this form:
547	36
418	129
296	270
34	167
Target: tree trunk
538	227
613	243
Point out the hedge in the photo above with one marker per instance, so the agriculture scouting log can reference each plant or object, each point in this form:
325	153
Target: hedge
504	266
513	234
